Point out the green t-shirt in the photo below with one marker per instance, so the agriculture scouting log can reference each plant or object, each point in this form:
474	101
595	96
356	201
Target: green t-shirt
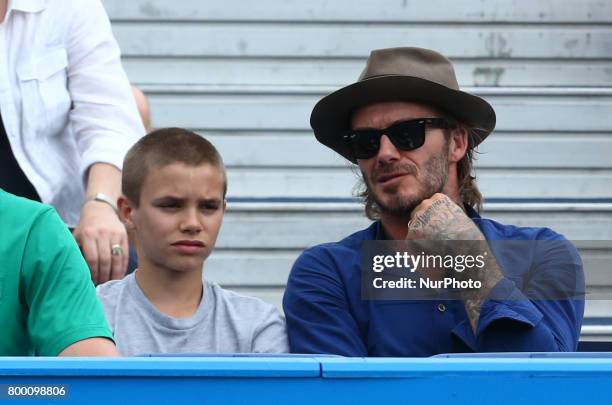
47	299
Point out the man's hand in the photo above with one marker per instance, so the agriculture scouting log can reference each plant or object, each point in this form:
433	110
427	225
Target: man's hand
100	229
439	218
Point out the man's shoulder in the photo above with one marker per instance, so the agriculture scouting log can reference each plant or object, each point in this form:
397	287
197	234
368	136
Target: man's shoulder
28	224
19	208
494	230
332	258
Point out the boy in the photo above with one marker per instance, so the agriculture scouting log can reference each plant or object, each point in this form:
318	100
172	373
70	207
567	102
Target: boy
174	186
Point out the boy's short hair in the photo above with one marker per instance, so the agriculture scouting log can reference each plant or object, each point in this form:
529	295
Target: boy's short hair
163	147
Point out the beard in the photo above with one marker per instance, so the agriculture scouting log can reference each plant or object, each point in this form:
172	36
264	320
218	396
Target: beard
431	180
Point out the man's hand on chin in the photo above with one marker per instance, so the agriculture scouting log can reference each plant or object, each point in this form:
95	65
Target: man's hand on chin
438	219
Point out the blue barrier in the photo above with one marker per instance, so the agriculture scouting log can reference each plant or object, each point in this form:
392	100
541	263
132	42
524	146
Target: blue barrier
313	380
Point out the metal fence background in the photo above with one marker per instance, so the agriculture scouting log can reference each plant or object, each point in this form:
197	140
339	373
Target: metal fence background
246	75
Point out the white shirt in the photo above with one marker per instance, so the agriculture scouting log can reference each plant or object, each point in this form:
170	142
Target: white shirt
64	97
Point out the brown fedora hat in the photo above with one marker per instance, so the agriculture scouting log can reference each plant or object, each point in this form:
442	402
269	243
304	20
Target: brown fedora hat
411	74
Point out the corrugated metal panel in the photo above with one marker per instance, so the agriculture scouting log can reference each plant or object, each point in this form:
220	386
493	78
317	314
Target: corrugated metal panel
291	40
277	111
301	227
468	11
503	150
247	76
495	183
330	71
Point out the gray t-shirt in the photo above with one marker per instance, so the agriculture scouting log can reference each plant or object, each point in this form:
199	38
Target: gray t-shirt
225	322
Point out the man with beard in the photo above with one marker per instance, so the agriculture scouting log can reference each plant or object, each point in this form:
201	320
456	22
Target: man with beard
412	133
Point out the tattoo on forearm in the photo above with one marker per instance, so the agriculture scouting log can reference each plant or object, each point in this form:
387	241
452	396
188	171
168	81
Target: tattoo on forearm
472	307
473	299
444	220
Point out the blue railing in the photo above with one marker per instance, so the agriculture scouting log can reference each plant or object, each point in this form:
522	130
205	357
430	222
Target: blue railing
504	379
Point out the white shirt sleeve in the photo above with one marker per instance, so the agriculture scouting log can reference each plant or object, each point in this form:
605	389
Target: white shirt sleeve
104	116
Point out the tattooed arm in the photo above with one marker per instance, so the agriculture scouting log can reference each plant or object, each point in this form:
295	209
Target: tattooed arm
439	218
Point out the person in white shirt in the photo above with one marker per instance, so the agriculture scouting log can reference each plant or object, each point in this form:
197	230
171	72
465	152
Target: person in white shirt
67	118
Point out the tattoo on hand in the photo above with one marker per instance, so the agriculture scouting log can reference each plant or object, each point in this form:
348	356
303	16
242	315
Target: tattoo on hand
444	220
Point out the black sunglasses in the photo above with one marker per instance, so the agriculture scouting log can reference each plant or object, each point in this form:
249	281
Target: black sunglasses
404	135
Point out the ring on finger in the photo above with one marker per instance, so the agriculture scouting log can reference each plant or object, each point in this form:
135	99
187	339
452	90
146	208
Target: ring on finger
116	249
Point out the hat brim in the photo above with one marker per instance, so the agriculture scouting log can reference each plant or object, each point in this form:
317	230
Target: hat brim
331	116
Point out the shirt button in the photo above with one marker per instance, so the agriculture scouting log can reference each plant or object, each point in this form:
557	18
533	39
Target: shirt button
441	307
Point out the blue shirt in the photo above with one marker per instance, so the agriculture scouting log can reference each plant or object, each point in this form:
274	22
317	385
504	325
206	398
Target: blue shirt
326	314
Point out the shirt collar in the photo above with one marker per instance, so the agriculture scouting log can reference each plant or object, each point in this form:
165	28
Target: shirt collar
471	212
378	233
27	6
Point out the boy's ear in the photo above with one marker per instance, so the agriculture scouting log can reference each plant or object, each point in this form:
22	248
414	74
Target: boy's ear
224	205
126	211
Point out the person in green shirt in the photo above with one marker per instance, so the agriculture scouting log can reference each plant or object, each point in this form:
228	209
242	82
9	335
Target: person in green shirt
48	303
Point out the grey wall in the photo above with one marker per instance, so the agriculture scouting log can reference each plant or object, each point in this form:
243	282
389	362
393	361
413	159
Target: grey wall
247	74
